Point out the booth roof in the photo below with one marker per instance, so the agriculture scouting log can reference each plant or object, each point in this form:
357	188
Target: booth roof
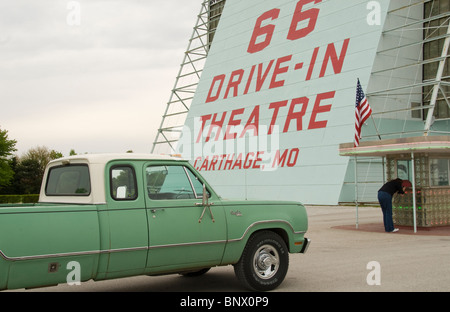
381	148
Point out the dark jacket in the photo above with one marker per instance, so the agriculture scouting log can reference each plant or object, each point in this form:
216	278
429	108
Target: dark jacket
393	187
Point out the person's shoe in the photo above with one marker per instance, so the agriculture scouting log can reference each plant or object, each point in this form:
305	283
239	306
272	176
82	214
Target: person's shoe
394	230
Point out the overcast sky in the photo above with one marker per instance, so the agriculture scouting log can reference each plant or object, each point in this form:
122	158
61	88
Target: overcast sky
97	81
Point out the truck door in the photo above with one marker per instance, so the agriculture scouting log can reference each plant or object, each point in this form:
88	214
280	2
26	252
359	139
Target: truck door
126	219
183	233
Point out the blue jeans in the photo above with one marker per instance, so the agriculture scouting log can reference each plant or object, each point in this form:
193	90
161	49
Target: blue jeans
385	200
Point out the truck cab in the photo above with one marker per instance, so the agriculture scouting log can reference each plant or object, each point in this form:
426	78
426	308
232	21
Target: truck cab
132	214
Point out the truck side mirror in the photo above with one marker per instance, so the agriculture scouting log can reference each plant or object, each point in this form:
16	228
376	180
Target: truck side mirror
205	205
121	192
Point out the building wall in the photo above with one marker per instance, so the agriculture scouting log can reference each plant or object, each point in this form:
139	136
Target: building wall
398	63
277	96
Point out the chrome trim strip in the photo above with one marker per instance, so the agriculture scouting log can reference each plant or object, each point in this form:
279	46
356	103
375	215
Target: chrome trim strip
262	222
71	254
190	182
187	244
94	252
21	258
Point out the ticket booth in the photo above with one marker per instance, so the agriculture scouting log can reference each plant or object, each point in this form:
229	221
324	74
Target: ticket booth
425	162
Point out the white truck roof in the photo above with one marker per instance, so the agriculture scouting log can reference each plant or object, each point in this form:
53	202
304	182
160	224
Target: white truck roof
96	164
105	158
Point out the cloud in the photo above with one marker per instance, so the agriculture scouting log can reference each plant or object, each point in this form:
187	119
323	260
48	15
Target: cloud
99	86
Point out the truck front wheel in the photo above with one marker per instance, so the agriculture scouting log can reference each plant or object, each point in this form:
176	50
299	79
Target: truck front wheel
264	262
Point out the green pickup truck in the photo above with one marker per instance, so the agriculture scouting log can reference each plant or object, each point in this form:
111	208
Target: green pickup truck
116	215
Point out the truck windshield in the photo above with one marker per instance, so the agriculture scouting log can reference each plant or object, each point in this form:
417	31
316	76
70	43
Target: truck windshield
71	180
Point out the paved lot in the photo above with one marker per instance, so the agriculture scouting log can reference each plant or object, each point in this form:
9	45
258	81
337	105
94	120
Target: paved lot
336	261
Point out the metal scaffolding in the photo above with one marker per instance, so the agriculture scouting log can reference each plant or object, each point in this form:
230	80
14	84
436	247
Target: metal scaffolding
188	77
409	84
432	81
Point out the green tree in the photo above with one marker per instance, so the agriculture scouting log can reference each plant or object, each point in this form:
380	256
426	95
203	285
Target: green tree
14	187
7	148
28	176
42	156
31	167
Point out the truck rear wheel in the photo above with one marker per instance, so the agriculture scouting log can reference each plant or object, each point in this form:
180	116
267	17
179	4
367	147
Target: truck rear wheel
264	262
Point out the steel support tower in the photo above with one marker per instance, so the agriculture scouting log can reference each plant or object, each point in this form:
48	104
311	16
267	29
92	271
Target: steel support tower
188	77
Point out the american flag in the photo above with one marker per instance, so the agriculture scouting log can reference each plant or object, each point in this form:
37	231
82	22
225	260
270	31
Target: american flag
362	112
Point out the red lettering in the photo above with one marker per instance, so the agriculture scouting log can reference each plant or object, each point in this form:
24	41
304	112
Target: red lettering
211	98
228	162
255	163
300	16
205	164
203	119
260	79
293	160
249	81
279	159
281	67
221	160
216	124
232	122
252	123
296	115
195	163
212	164
238	162
247	164
279	70
259	31
312	63
313	124
276	107
330	54
234	84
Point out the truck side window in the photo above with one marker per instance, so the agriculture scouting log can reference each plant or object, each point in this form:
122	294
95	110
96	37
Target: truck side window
197	184
68	180
123	183
169	182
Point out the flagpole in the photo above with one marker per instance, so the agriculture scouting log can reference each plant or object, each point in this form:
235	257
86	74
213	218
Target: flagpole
356	192
376	129
371	116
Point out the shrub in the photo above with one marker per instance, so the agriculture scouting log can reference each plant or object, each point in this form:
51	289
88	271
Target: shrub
17	199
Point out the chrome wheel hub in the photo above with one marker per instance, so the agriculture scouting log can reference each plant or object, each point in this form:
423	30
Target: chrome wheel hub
266	262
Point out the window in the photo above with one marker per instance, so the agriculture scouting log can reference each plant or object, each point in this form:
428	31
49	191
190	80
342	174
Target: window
172	182
123	183
70	180
434	31
404	170
215	11
416	111
198	186
439	169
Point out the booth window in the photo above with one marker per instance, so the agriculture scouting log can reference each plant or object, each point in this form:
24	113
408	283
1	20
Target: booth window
404	169
439	170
